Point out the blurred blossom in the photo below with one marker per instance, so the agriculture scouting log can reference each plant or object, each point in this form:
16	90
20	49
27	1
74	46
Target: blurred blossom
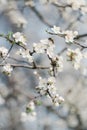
75	56
30	114
25	54
70	35
15	16
57	30
85	54
76	4
3	52
30	3
15	92
27	117
84	71
45	46
7	69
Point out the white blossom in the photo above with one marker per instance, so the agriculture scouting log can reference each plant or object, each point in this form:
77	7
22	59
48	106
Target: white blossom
3	52
39	48
25	54
57	30
7	69
46	84
35	73
19	37
75	56
70	35
45	46
57	99
31	106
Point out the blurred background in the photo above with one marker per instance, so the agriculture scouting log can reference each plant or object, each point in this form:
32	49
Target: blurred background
33	18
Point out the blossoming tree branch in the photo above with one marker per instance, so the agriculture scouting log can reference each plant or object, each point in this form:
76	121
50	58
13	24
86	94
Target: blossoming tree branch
46	86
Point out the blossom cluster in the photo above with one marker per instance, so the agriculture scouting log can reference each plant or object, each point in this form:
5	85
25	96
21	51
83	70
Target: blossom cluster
68	35
74	4
19	38
30	113
48	87
45	46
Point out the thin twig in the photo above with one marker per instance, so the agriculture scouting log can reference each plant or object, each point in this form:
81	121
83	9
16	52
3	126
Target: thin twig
63	50
12	58
7	54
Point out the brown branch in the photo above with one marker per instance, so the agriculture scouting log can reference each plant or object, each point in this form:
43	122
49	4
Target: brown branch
26	66
39	15
77	43
12	41
63	35
61	6
81	36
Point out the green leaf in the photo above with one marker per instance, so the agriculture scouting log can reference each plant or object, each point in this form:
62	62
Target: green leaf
38	102
28	110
